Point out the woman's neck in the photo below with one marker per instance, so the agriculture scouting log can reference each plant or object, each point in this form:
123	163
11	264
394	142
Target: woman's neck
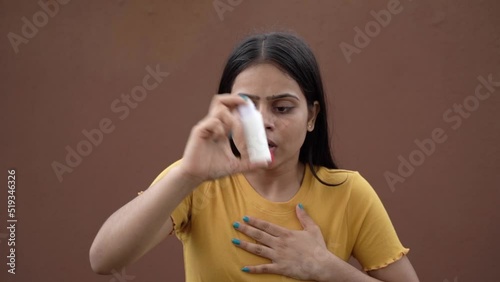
277	184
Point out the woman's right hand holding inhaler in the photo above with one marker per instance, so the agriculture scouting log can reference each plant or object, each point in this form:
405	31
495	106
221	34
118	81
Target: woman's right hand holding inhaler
208	153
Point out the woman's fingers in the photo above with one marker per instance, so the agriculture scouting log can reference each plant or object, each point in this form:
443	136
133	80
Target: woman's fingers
266	226
217	125
209	140
263	268
208	128
220	132
260	250
208	152
221	108
228	120
226	100
262	236
294	253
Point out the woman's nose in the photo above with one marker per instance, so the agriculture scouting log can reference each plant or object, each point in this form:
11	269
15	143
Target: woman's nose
267	116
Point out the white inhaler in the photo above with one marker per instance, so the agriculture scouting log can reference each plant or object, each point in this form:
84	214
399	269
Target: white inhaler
255	133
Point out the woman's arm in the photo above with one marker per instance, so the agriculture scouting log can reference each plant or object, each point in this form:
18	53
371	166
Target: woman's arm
140	225
335	269
400	270
145	221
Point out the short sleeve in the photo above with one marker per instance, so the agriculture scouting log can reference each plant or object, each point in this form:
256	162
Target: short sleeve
375	242
182	213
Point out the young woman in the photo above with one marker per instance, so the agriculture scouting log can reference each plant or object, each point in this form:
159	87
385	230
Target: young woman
298	217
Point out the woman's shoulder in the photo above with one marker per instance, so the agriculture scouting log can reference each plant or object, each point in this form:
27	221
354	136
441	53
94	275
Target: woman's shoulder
334	170
336	175
351	180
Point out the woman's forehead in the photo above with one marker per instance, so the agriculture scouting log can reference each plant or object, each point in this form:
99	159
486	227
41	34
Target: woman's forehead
265	81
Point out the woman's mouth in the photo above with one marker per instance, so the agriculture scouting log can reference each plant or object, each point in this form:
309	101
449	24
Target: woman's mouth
271	145
272	149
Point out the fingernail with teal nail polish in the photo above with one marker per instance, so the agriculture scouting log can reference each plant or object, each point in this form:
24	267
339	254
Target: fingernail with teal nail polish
245	269
243	96
246	219
235	241
236	225
301	206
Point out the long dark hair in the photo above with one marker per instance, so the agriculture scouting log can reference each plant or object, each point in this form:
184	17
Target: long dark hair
292	55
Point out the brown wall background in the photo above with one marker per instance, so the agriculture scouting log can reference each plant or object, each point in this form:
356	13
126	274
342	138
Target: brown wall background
64	79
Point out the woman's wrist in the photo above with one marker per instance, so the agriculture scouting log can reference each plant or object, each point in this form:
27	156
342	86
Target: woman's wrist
333	269
327	266
188	179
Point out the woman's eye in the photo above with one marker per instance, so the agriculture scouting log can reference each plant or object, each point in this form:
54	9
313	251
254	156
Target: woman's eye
282	110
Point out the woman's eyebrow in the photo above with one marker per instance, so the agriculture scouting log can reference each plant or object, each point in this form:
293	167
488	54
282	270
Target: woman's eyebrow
273	97
284	95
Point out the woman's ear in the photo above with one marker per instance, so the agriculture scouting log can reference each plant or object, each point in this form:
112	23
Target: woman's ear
313	112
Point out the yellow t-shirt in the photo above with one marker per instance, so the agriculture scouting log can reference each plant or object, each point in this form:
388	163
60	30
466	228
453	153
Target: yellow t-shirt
351	217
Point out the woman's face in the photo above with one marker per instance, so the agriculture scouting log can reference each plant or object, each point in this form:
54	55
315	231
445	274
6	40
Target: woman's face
283	106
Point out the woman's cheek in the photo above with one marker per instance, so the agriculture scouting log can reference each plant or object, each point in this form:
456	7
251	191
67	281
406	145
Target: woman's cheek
291	127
